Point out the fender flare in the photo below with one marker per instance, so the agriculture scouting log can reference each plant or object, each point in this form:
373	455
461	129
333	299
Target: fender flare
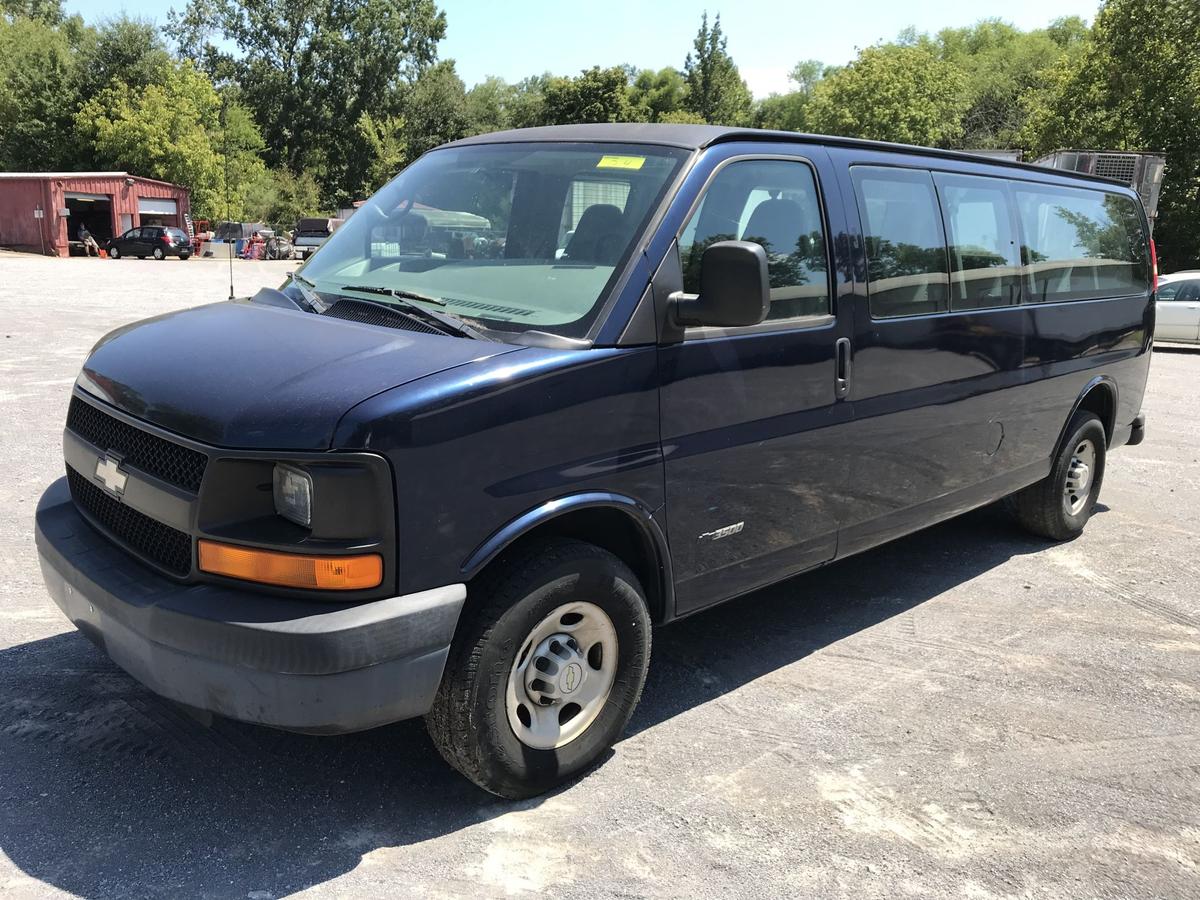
1110	428
637	512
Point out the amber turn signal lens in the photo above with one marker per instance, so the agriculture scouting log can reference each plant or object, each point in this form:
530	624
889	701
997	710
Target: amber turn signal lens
322	573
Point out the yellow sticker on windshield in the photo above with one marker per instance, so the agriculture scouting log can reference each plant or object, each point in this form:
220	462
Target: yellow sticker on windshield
621	162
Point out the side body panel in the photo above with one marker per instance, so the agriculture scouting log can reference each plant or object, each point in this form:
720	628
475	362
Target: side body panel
751	426
474	450
954	409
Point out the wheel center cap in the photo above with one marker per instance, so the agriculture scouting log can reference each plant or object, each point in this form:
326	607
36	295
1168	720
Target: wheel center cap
1081	474
572	677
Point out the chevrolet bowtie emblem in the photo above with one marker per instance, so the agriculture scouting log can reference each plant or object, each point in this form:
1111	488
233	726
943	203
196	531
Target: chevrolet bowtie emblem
109	474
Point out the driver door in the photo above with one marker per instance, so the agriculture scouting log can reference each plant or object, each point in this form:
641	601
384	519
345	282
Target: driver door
756	475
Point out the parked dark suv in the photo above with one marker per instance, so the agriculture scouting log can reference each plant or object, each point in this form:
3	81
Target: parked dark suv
549	388
159	241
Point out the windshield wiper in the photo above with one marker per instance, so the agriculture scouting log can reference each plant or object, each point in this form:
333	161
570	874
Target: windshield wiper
393	292
443	321
311	297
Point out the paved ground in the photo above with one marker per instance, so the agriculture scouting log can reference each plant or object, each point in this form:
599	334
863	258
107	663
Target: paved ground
965	713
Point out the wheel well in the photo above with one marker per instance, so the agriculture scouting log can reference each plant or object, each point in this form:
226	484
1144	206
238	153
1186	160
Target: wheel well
1100	400
613	530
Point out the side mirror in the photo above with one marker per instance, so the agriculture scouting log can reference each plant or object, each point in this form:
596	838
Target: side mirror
734	287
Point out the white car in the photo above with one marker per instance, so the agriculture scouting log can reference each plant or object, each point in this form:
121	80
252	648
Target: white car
1177	312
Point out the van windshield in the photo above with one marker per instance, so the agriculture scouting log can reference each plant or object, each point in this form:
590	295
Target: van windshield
515	237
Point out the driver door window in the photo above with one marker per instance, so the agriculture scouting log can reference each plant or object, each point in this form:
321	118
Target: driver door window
774	203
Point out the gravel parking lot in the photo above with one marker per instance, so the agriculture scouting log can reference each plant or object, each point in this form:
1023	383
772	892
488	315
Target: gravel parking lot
968	712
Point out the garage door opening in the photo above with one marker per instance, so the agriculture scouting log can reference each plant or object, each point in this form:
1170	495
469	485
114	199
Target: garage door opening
92	210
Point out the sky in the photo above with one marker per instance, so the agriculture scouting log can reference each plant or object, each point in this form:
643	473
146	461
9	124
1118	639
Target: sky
516	39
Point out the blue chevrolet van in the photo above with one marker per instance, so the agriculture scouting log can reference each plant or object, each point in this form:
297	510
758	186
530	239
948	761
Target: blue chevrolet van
550	388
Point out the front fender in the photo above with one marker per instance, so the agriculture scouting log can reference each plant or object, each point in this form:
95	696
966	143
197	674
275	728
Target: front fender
638	513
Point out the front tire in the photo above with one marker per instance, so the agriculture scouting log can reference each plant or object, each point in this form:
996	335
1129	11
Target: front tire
114	253
556	623
1059	506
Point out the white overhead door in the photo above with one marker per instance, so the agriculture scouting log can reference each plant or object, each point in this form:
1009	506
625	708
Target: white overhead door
156	206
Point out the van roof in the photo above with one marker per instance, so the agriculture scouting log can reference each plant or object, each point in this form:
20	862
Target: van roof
697	137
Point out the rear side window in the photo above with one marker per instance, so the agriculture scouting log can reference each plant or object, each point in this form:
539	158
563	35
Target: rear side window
906	249
1080	244
772	202
981	235
1184	291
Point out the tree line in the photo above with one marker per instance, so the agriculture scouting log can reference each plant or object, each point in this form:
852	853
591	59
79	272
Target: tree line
269	109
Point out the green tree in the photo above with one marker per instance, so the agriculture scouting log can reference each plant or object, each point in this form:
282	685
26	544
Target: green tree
681	117
280	198
310	69
489	105
892	93
1004	69
435	109
787	112
1136	85
596	95
715	90
37	99
176	131
527	105
131	51
657	94
385	150
49	12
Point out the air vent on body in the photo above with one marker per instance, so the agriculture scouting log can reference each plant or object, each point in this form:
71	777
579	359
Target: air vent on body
374	314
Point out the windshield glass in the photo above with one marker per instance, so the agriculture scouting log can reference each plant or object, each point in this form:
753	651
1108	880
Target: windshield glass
513	236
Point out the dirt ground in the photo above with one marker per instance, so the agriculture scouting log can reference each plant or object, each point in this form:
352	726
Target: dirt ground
968	712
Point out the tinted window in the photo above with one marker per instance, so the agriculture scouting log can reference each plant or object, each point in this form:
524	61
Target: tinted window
772	202
984	265
906	250
1080	244
1179	290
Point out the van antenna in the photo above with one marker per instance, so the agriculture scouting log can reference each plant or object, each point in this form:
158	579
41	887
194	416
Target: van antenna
225	153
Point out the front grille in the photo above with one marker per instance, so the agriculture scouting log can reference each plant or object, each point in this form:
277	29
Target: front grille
155	456
374	314
160	543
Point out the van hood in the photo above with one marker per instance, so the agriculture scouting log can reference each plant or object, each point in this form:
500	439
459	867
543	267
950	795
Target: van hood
243	375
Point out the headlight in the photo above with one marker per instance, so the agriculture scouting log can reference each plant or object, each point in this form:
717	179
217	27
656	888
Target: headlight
293	494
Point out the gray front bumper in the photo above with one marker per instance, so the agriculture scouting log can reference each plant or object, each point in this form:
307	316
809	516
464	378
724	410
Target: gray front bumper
292	664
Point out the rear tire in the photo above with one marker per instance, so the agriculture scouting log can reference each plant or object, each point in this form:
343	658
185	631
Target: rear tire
1059	506
533	606
158	253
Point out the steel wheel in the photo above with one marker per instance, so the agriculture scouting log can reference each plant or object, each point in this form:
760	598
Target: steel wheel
1078	487
562	676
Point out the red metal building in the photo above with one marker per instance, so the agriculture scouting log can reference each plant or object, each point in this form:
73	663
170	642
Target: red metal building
41	211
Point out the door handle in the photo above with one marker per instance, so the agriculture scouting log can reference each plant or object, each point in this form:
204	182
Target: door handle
841	378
